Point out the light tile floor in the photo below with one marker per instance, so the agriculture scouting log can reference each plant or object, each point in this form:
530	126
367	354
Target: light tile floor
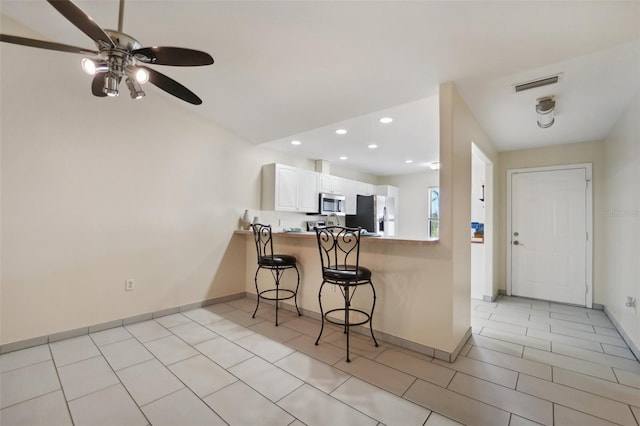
527	362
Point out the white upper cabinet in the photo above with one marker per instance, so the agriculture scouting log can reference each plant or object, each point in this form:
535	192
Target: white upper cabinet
351	189
387	191
363	188
331	184
286	188
308	200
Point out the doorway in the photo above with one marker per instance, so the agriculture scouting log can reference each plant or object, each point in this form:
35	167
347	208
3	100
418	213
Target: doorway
482	199
549	234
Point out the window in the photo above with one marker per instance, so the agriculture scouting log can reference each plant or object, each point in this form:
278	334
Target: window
433	220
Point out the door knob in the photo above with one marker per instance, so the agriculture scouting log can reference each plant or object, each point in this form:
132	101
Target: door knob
517	243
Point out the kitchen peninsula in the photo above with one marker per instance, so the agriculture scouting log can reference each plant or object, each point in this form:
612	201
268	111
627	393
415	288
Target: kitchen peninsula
413	304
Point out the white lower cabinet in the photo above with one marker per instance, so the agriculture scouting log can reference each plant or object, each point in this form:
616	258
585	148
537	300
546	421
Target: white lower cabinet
286	188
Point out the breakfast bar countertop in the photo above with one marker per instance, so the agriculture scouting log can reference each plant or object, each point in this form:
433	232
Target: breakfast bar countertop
377	239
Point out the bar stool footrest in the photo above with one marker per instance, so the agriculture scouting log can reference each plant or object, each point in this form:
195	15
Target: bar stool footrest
289	294
342	323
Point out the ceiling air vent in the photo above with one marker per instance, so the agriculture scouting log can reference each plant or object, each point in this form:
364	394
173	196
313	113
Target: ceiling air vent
537	83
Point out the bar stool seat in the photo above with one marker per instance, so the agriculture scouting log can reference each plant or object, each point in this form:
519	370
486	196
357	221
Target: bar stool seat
278	260
277	264
340	258
347	274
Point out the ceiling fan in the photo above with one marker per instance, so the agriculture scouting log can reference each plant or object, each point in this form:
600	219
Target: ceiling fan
119	56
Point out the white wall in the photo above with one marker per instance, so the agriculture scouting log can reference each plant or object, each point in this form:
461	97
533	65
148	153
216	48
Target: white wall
478	256
619	213
347	173
412	209
478	170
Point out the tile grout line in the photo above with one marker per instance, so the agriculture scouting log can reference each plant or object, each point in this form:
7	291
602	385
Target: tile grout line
64	395
118	377
374	359
237	378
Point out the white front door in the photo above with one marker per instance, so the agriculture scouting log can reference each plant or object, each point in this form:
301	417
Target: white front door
549	240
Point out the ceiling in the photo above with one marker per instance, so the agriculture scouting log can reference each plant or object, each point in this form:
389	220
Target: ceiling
300	69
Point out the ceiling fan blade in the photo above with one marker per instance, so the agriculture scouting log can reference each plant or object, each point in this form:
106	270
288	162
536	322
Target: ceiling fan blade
171	86
97	85
45	44
83	21
176	56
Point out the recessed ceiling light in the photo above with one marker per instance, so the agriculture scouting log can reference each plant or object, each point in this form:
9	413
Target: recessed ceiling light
386	120
341	131
344	157
408	161
295	142
372	146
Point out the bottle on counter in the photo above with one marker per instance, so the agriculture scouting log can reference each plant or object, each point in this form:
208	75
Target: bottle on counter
246	220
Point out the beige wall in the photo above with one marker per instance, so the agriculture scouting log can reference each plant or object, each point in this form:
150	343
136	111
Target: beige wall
577	153
619	215
96	191
458	129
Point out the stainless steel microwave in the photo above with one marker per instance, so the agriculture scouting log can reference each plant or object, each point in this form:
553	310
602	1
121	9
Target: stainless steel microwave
332	204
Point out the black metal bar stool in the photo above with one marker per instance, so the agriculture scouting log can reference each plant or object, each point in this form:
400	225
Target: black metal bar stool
340	258
277	264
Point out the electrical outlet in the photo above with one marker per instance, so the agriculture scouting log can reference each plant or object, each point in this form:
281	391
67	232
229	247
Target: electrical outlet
129	284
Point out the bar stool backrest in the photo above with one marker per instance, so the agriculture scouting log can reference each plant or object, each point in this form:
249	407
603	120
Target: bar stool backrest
339	247
263	239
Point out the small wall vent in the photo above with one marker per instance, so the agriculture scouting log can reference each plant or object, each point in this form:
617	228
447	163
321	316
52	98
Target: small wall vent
537	83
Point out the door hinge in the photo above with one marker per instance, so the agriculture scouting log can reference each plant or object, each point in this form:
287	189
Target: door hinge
587	234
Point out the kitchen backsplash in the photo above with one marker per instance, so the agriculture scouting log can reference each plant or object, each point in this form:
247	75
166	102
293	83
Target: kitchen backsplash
280	220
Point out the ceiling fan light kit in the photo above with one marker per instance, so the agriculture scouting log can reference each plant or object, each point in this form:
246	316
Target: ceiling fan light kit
111	83
91	66
134	88
120	55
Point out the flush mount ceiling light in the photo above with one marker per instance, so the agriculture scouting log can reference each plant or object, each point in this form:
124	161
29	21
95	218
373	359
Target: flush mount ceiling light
344	157
341	131
408	161
372	146
544	109
295	142
386	120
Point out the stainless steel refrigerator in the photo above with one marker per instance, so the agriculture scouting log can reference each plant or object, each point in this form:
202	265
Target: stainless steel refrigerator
375	213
